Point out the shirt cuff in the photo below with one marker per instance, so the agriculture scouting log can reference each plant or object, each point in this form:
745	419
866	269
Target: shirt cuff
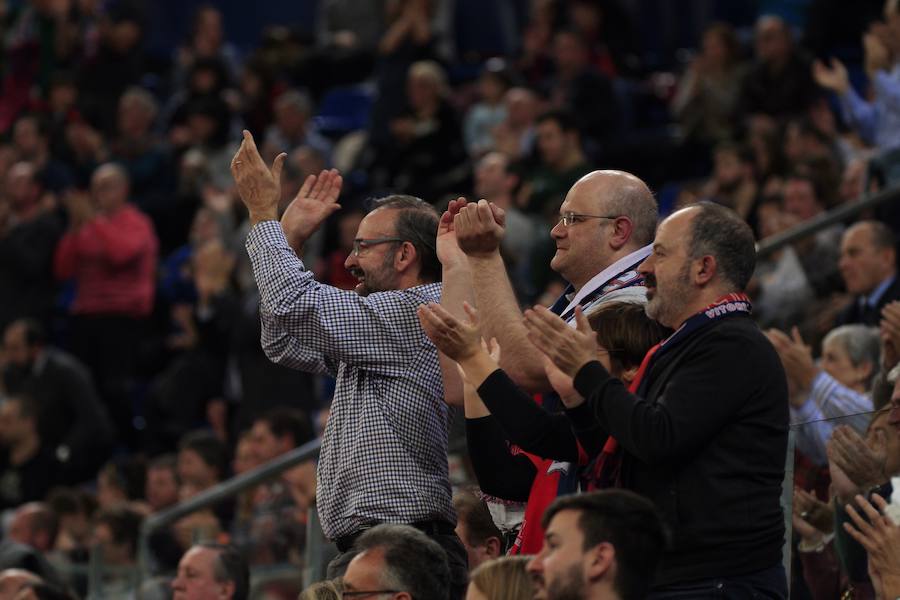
589	378
266	234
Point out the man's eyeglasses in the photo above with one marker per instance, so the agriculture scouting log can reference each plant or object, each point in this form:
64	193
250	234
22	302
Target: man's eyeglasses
360	244
569	218
361	594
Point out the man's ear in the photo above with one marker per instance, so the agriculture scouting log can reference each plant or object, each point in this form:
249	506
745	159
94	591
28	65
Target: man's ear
600	562
226	590
405	257
704	269
622	230
493	547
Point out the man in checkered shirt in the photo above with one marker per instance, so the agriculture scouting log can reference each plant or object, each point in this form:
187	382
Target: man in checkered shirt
384	454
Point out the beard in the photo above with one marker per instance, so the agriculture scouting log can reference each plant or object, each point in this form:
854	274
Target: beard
568	586
667	305
380	279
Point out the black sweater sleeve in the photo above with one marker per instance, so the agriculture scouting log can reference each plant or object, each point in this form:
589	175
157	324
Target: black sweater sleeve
526	424
500	473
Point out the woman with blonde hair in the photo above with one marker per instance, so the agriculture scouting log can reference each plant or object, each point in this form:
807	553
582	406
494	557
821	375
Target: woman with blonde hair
323	590
503	578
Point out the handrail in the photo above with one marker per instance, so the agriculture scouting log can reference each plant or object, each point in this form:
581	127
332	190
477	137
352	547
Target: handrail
219	492
778	241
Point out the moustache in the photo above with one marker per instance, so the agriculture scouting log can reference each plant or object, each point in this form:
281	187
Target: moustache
357	272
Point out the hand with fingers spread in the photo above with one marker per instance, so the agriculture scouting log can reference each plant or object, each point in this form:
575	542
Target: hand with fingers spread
833	77
448	250
313	204
811	517
890	335
568	348
880	536
456	339
479	228
562	384
863	465
796	357
258	185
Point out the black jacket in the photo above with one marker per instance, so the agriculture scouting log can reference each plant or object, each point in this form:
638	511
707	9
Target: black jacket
856	313
706	441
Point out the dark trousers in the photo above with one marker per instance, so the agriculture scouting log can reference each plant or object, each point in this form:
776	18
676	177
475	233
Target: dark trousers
457	559
768	584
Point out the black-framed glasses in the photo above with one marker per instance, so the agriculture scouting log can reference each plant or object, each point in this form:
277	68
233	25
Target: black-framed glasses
569	218
362	593
360	244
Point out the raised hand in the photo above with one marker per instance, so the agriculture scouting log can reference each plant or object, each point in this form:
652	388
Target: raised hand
796	357
258	185
562	384
833	78
313	204
448	250
863	465
454	338
880	536
568	348
811	516
479	228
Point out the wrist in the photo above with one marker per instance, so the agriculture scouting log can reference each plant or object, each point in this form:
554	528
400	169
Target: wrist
483	256
266	214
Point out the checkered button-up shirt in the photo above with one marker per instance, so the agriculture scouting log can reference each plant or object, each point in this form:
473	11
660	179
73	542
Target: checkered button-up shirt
384	454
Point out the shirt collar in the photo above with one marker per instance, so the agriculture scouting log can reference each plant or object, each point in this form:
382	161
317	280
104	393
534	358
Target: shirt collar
608	273
873	298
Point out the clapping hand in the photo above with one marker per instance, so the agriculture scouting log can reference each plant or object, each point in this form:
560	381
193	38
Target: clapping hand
313	204
569	349
479	228
258	185
833	78
854	464
453	337
448	250
880	536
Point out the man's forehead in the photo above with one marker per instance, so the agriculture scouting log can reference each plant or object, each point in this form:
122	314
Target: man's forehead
199	556
380	219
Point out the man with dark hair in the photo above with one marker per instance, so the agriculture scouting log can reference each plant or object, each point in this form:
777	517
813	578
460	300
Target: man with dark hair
598	546
202	459
384	453
868	266
36	525
209	571
27	467
74	424
704	435
397	560
117	530
161	485
476	529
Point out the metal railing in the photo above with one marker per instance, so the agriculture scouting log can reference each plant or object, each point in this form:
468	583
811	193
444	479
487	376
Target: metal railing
220	492
836	215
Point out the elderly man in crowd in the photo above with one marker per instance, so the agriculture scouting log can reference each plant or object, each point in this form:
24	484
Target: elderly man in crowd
212	571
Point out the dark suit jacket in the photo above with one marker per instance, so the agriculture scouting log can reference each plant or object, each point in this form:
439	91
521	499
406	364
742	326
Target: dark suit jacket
855	313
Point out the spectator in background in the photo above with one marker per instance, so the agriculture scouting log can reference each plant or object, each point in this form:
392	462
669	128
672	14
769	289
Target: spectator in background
161	488
206	40
502	579
121	481
838	391
778	83
33	146
877	121
399	558
706	104
75	511
347	38
733	183
868	266
490	111
294	127
212	571
35	525
74	424
29	232
116	534
599	546
515	135
476	529
202	461
110	252
425	155
12	581
27	467
562	163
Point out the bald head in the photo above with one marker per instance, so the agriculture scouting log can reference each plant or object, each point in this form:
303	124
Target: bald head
109	187
22	188
773	39
36	525
623	194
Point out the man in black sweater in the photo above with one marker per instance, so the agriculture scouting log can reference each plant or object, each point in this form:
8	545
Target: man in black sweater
705	435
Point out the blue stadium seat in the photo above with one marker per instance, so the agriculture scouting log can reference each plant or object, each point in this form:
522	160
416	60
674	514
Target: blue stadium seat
344	109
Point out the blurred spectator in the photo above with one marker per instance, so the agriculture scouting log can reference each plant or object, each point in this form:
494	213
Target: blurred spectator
161	489
347	36
74	423
31	142
29	231
27	467
868	267
116	535
323	590
12	581
515	135
202	461
609	33
425	154
476	529
779	83
212	571
708	93
256	86
75	511
502	579
44	591
490	111
294	127
837	391
599	545
576	87
35	525
399	558
733	183
877	120
562	163
110	252
121	481
206	40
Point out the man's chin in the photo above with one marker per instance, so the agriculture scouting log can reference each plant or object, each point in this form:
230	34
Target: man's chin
361	289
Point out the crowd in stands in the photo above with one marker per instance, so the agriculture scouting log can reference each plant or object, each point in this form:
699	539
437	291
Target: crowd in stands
132	306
